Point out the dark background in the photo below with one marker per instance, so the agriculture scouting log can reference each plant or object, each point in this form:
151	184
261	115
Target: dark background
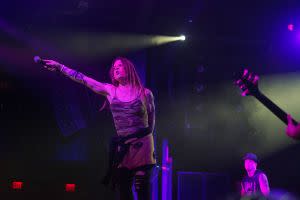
51	128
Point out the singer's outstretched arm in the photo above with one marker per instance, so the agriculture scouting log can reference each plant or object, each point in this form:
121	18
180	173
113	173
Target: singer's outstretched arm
96	86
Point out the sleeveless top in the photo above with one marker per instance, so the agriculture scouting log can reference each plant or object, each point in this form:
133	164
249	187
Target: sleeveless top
129	117
251	184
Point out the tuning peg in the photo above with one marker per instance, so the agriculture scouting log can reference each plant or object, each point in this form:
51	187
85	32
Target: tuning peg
250	76
245	93
238	82
255	80
245	72
242	87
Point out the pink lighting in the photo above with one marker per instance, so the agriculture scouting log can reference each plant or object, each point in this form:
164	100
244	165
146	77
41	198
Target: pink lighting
291	27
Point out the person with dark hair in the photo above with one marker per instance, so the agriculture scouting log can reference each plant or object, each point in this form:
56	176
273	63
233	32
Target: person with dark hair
255	182
132	105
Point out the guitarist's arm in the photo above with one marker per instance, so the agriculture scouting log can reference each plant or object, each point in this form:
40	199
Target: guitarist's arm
292	130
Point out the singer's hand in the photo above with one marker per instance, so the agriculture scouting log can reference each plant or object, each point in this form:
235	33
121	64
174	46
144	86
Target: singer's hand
52	65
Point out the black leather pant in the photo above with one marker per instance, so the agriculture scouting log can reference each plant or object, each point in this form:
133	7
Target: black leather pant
140	178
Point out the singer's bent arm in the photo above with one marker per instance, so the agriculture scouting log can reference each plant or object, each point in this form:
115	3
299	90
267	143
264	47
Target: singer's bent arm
98	87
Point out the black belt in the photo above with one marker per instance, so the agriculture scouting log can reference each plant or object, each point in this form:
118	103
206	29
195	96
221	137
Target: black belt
117	151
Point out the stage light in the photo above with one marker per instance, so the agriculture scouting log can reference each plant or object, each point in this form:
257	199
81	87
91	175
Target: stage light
182	37
110	43
70	187
17	185
291	27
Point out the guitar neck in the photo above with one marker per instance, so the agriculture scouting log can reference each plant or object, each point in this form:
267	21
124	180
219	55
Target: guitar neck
273	107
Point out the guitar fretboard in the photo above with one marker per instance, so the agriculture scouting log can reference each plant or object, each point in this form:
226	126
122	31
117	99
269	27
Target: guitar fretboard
273	107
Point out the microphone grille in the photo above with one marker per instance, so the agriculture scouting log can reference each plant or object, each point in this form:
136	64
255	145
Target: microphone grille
37	59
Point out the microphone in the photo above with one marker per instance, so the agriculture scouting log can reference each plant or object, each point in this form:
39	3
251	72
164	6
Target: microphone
38	60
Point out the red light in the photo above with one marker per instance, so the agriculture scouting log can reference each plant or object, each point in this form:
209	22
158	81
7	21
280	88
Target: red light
291	27
17	185
70	187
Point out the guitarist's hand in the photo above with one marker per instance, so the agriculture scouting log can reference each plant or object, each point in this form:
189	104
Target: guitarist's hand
292	130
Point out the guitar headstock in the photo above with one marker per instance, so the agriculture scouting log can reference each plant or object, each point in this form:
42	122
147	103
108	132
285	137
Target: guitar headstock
248	83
